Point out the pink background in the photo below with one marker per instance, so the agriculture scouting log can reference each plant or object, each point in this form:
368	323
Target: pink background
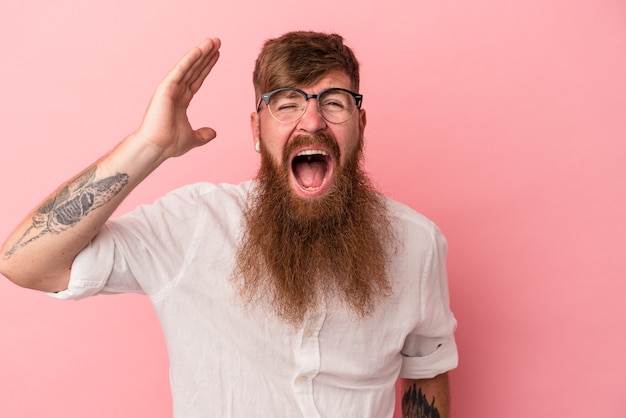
502	120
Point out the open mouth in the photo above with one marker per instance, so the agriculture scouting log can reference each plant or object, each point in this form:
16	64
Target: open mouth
311	169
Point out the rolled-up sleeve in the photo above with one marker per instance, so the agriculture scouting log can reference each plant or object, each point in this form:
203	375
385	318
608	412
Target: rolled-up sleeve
431	348
92	269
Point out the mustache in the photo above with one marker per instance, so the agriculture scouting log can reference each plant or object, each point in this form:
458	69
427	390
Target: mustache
302	141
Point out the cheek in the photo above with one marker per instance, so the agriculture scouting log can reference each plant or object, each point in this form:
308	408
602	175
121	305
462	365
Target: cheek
273	141
350	143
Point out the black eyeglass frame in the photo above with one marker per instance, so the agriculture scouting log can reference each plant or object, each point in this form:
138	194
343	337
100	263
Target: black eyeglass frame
265	97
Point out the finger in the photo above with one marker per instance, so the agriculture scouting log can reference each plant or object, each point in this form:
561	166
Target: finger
204	135
196	83
209	51
190	61
197	77
182	67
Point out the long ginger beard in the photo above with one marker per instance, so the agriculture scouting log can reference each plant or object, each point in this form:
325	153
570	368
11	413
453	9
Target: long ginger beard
296	253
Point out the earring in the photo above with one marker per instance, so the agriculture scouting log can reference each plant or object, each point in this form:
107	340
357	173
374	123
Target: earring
257	146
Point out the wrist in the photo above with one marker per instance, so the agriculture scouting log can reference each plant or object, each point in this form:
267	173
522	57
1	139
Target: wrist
134	156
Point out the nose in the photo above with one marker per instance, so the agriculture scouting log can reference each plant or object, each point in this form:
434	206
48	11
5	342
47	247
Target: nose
312	120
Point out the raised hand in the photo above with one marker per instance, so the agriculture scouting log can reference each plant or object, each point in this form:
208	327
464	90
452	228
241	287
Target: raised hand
165	125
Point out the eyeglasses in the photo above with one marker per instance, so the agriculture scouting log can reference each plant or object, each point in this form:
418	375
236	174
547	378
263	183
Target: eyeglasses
287	105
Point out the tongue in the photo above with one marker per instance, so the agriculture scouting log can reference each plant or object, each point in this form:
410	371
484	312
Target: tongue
310	174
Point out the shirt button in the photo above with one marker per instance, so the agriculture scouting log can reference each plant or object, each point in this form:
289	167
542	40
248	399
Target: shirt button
302	378
308	333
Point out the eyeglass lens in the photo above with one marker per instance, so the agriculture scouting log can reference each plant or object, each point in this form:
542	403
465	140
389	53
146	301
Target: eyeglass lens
335	105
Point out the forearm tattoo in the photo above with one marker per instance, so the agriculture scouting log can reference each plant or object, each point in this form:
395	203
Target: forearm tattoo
415	404
64	210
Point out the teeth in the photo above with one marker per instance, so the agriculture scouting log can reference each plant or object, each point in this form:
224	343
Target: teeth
311	152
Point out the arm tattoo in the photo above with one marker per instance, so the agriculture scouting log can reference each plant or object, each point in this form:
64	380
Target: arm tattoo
64	210
415	404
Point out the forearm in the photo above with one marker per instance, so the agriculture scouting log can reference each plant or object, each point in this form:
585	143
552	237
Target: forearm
40	251
427	398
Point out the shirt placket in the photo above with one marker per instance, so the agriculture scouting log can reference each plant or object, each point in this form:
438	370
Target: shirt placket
307	361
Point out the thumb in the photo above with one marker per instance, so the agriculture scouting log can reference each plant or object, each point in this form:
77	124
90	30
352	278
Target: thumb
205	135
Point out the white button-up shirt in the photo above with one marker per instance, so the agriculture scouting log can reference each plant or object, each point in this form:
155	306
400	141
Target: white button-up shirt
228	360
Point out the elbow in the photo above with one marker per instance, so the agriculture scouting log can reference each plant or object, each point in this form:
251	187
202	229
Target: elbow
17	279
6	271
22	277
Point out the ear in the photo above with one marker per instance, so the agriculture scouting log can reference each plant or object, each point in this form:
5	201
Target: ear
254	128
362	119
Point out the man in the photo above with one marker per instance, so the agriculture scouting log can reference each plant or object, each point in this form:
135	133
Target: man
301	293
